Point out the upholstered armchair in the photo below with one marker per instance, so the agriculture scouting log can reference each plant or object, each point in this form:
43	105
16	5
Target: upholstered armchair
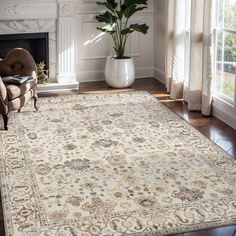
14	96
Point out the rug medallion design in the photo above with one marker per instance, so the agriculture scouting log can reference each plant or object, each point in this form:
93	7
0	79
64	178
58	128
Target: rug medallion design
111	164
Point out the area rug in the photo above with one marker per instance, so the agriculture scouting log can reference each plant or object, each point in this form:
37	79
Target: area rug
111	164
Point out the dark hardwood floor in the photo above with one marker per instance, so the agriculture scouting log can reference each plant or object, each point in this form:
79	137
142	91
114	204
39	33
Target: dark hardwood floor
214	129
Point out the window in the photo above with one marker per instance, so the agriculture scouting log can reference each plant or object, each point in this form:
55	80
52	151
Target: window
225	48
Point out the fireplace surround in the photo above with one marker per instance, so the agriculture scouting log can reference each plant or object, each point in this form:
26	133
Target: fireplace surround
53	19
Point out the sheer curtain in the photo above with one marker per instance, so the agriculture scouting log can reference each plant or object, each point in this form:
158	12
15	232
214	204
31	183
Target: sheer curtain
190	52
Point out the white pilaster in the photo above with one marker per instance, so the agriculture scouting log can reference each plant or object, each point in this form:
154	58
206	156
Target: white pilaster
66	42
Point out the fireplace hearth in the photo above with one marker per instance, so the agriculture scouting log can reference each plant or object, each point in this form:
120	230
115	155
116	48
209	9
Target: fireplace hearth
36	43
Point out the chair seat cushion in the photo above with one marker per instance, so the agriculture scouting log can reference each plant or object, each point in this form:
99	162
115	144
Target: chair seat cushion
15	91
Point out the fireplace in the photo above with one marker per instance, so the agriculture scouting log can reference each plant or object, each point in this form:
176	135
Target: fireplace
36	43
22	26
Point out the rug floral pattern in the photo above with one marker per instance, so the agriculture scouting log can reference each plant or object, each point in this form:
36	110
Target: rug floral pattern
111	164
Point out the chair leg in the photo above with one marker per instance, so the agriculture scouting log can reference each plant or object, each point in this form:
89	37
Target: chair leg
19	110
5	120
35	102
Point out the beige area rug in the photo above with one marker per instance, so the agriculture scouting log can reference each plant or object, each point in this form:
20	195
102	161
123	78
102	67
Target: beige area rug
115	164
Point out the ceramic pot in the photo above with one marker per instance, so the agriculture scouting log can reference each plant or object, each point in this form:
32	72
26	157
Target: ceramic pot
120	73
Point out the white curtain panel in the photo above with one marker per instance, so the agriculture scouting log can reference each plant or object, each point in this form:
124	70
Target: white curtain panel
208	55
195	87
178	61
170	42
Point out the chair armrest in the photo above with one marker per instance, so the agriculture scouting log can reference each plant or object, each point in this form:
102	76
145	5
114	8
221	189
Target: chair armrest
30	72
3	92
3	98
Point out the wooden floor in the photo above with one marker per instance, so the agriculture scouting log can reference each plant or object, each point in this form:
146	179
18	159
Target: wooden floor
216	130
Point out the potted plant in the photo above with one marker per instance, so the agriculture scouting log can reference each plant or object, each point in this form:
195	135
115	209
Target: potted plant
120	70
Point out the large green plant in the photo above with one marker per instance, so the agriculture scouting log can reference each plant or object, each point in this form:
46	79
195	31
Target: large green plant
117	18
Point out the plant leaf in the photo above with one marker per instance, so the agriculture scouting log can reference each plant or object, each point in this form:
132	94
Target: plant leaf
127	31
107	17
127	3
115	49
113	3
110	4
143	28
106	30
129	11
120	14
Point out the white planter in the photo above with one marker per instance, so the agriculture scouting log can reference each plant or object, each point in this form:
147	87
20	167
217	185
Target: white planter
120	73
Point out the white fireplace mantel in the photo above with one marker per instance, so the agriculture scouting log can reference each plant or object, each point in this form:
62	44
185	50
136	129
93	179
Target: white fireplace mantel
24	12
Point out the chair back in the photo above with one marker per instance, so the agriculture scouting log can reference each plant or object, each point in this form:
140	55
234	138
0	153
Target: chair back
18	62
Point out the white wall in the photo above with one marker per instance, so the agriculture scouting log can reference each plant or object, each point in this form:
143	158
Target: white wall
224	111
93	47
160	23
79	50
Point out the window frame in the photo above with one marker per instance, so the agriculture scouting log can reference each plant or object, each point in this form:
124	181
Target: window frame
217	29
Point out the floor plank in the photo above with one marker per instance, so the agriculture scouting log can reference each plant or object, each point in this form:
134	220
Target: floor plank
214	129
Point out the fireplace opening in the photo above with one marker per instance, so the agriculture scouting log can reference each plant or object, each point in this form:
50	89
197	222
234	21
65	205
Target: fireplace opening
36	43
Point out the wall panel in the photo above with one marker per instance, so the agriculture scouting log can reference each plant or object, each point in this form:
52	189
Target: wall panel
93	47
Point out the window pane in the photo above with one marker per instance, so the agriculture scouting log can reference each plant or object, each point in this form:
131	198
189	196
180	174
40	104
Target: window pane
229	14
220	13
226	63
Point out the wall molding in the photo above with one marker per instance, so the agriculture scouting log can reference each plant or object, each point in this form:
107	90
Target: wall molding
67	8
159	75
88	50
98	75
144	72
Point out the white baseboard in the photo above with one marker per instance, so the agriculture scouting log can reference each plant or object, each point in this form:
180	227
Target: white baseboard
159	75
144	72
224	116
52	87
91	76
